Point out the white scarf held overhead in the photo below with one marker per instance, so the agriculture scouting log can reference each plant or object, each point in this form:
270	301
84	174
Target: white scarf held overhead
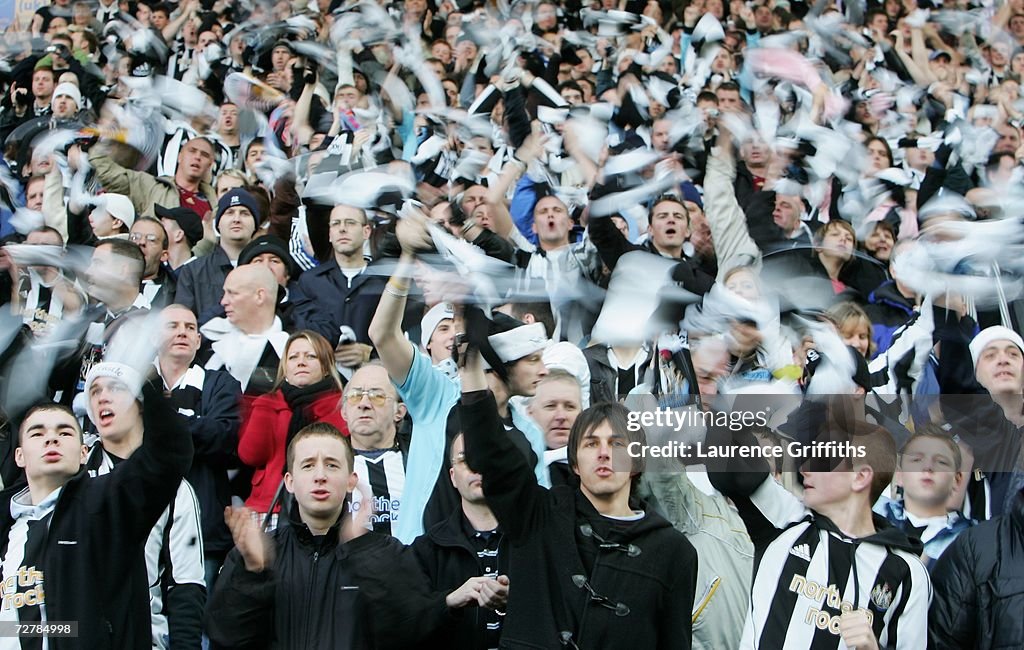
240	352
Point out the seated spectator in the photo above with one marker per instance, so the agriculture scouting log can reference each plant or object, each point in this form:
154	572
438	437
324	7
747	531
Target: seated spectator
308	390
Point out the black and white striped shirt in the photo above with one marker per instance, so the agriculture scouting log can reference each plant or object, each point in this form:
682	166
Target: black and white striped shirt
22	596
808	573
383	471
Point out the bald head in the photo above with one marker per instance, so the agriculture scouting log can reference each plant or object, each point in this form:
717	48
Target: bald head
256	276
250	297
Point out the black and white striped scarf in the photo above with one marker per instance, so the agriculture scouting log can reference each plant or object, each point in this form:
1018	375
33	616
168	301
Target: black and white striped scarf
187	393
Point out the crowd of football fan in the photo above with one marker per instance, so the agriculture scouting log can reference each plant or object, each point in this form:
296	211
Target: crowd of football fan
329	324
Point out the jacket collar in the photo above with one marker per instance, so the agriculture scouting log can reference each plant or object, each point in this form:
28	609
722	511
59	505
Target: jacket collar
306	536
888	294
450	531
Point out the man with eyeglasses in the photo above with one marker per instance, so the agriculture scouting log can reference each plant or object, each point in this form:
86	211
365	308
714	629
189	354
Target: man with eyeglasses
589	567
372	410
340	293
158	283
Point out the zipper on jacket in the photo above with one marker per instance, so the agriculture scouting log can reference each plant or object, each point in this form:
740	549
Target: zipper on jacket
310	632
705	599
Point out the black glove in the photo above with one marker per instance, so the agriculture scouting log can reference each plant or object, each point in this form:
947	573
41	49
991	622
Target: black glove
309	75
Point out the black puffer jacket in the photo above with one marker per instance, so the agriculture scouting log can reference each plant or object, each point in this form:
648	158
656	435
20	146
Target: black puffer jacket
979	587
322	595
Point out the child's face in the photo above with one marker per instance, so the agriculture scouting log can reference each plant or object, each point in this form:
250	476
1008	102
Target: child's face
827	488
858	337
927	472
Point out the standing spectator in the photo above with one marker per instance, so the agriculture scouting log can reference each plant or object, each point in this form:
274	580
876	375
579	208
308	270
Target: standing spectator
43	295
189	188
825	564
174	550
340	292
322	581
372	410
200	284
113	279
615	575
975	605
107	596
184	230
157	281
466	558
929	473
209	400
249	342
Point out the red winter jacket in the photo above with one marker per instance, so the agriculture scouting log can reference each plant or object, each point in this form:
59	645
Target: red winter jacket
261	443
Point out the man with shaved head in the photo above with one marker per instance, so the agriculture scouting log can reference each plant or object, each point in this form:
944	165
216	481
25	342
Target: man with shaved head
249	341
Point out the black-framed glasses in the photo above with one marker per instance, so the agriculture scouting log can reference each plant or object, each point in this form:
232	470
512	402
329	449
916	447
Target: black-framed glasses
620	609
377	396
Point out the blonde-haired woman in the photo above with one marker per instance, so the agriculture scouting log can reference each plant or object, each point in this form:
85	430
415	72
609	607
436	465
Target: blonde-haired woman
308	390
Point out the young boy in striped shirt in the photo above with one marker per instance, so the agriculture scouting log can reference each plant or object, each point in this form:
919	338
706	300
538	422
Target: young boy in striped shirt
829	573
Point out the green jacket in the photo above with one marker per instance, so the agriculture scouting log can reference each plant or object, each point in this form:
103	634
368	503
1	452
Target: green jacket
145	190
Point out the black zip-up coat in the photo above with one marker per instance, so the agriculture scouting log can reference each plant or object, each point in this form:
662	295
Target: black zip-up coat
322	595
643	579
94	565
449	559
979	587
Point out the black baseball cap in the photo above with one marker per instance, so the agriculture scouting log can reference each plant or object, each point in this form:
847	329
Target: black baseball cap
186	219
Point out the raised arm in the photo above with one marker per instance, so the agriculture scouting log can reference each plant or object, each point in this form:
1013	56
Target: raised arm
733	244
134	497
170	31
397	352
530	150
510	484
